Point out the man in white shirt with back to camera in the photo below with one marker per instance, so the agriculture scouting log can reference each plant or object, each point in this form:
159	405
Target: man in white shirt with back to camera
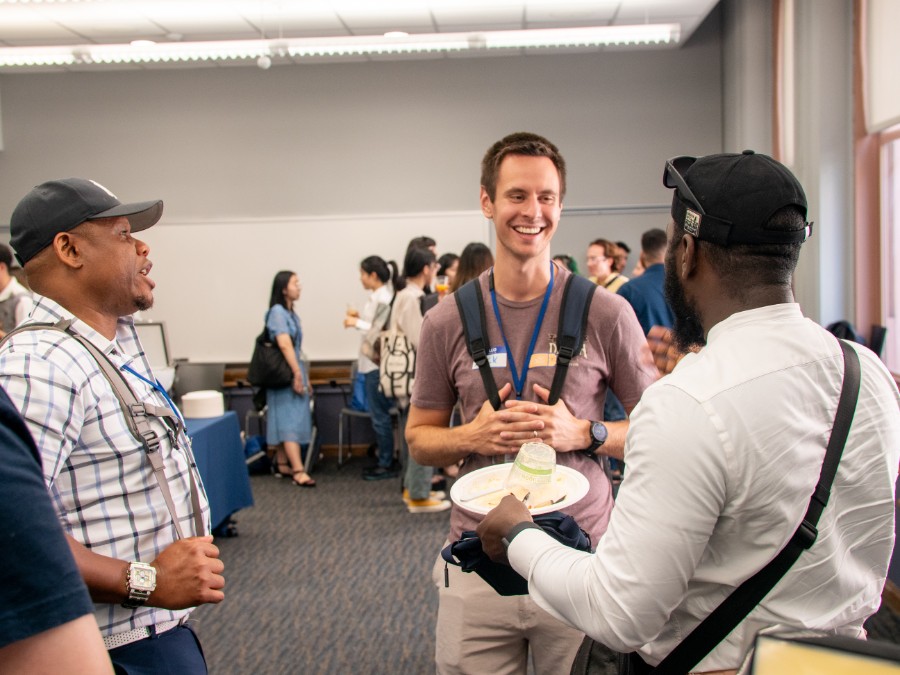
723	454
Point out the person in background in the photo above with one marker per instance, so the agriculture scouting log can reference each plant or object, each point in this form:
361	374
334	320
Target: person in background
418	271
475	259
422	242
568	262
725	452
523	183
601	256
288	415
645	294
15	299
380	278
447	266
146	560
45	617
620	260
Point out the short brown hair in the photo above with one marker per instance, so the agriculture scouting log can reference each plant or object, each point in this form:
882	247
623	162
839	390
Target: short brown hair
609	248
520	143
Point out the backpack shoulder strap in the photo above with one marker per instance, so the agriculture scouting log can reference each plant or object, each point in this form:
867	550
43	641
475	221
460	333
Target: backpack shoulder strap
470	304
573	316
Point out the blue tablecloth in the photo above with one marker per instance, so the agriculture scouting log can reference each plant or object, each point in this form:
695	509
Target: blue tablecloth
216	442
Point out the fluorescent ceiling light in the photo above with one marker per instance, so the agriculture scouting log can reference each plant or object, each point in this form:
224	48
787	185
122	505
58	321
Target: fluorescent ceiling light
251	50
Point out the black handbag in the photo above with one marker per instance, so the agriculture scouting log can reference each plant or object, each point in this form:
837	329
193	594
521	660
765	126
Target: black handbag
268	367
468	554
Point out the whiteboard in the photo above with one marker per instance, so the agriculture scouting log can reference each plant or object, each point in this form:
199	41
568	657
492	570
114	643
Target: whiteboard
213	279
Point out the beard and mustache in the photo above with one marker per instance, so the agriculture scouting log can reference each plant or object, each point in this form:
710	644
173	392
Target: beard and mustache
688	330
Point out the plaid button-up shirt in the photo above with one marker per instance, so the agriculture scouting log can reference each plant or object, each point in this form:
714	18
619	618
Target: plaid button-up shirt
98	474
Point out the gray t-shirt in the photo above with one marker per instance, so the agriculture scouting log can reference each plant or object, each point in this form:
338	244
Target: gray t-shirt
614	355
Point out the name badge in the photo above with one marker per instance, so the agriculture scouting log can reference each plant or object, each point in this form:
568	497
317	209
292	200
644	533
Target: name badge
496	357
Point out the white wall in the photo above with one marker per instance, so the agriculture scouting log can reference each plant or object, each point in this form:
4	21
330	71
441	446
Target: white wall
825	278
308	148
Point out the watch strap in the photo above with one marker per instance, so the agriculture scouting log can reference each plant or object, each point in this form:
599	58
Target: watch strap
592	448
516	529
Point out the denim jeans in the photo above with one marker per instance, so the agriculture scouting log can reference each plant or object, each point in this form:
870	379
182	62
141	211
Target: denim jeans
416	478
379	407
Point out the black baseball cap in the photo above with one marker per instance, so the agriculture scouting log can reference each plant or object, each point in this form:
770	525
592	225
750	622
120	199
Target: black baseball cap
728	198
62	205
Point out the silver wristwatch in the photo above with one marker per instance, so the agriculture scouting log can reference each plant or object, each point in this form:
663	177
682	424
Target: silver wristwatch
140	582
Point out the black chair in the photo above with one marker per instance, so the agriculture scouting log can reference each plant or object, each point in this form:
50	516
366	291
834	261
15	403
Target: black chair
350	414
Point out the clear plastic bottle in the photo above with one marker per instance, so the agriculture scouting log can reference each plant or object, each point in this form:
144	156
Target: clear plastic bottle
532	470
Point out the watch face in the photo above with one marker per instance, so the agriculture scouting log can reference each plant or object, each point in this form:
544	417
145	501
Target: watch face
599	432
143	578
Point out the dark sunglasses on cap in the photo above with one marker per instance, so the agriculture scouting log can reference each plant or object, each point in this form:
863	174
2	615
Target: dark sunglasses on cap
673	178
718	230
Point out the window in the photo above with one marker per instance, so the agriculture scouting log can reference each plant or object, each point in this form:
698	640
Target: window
890	245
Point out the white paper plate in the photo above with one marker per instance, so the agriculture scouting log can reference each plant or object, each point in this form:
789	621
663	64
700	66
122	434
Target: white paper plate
573	484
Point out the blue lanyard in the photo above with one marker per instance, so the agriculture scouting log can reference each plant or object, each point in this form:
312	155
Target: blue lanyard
158	387
519	382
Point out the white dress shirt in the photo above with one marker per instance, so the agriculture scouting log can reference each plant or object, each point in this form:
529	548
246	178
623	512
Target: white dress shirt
722	457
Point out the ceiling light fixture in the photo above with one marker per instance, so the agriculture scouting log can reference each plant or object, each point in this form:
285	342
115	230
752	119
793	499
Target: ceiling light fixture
327	47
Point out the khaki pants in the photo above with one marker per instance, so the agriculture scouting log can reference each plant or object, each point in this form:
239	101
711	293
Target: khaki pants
479	631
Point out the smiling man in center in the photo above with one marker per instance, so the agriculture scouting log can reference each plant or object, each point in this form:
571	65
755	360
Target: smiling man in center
523	183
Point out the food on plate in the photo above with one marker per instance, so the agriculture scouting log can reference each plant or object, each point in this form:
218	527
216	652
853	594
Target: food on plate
492	489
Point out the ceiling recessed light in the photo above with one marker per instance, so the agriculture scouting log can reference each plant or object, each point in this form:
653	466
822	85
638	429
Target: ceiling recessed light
396	34
142	43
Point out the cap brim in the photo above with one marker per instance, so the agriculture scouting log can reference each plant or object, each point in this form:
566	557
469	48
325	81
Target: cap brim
141	215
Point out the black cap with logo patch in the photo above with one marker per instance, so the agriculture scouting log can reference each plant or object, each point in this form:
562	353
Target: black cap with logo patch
62	205
728	199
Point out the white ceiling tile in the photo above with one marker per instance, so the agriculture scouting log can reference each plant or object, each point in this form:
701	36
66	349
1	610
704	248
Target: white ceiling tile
119	21
486	16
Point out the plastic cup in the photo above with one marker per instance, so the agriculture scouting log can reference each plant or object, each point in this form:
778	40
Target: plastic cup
442	285
533	466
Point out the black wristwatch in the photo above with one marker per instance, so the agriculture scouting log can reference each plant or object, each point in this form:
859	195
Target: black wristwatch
599	434
524	525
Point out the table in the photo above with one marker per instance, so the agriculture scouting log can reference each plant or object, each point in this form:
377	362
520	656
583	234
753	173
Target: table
217	446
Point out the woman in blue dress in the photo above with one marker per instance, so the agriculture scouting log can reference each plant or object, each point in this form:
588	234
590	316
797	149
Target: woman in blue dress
288	418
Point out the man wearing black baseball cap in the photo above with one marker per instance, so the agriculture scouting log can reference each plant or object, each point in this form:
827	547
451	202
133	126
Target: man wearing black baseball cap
122	478
724	453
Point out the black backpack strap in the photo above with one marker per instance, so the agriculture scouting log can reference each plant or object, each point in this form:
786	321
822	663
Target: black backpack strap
471	311
735	608
573	316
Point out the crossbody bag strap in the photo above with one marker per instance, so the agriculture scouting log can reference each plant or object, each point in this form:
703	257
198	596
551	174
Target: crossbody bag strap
735	608
136	415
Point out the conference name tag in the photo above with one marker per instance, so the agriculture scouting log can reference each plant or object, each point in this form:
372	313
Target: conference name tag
496	358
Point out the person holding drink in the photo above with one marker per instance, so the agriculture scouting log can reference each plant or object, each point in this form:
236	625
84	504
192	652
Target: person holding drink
378	277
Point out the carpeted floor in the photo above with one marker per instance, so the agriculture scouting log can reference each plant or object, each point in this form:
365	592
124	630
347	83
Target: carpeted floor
337	579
